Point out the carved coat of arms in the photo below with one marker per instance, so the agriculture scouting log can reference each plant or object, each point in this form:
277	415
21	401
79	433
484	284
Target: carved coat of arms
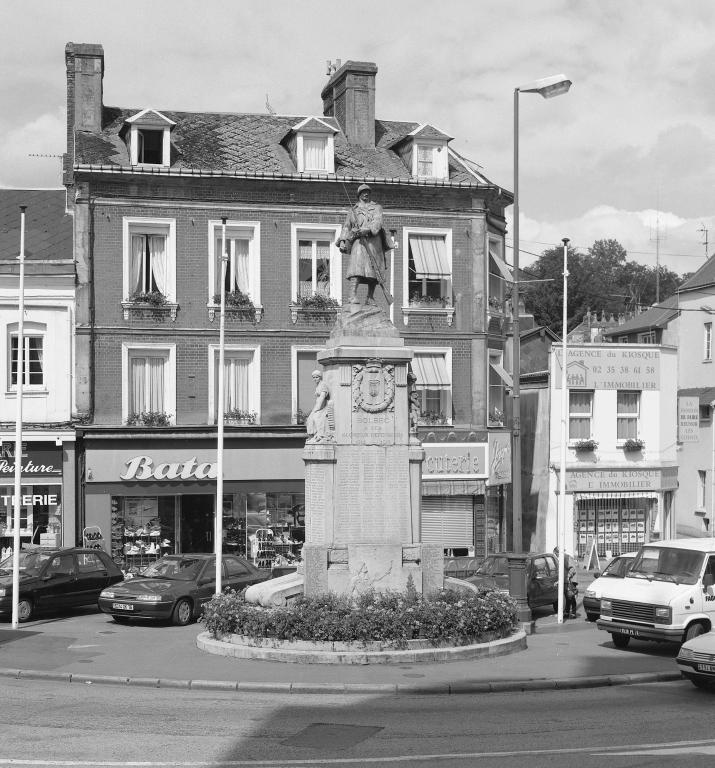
373	387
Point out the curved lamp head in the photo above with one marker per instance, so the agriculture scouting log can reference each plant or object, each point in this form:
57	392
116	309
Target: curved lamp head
548	87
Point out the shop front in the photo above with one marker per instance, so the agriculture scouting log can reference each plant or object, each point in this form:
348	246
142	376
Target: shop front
144	499
46	493
619	509
463	496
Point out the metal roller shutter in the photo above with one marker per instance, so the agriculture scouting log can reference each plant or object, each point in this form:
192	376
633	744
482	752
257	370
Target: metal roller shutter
448	520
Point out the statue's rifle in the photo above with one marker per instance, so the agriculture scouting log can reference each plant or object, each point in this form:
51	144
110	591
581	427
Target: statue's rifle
375	266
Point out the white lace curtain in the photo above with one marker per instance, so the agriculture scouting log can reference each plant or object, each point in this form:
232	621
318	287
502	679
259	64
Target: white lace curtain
147	384
314	150
236	389
149	264
237	267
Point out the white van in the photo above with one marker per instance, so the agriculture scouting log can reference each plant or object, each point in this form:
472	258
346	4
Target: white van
667	594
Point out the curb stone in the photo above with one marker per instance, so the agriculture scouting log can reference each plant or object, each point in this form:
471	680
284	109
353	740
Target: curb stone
440	689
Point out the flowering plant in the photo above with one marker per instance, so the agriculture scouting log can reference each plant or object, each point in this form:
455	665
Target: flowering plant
634	444
155	298
583	446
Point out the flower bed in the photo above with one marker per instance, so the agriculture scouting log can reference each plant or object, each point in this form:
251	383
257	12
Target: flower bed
388	618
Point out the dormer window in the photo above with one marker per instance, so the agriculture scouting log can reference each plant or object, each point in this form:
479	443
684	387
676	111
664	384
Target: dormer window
313	145
430	160
150	138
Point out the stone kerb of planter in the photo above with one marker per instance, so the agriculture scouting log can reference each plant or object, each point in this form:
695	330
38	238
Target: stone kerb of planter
307	652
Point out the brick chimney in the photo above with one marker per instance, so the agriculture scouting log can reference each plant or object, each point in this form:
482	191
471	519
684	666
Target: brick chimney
349	96
85	70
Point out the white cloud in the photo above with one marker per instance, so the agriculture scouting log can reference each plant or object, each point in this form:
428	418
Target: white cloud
42	136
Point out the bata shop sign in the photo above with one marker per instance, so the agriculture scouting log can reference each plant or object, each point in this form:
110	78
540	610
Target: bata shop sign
144	468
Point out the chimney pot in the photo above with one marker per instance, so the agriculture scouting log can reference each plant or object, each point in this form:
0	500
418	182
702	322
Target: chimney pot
349	96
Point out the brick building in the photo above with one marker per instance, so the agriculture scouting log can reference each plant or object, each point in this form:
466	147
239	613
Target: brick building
150	190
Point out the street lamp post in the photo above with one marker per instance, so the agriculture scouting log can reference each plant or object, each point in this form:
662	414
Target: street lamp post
561	514
548	87
218	520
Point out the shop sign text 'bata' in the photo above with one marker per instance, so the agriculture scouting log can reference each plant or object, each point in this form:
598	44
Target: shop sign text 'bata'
143	468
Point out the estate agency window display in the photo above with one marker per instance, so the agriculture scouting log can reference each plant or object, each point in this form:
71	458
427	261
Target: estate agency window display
617	524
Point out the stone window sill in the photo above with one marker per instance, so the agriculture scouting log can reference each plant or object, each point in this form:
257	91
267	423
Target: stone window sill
254	315
132	307
446	312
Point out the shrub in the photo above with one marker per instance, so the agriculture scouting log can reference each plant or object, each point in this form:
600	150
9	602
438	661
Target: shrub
235	300
236	414
391	617
317	301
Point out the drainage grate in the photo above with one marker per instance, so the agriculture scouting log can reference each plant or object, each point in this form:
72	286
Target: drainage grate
331	735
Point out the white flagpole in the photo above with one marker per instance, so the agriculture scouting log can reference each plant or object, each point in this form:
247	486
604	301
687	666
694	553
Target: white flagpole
218	527
18	428
561	516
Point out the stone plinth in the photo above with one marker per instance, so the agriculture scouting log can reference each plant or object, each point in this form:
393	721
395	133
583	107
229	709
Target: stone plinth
362	486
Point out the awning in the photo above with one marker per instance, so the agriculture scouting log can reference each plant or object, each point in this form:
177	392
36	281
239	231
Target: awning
503	375
429	254
431	371
501	265
453	487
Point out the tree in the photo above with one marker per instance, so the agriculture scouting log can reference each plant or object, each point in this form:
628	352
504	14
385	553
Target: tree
601	280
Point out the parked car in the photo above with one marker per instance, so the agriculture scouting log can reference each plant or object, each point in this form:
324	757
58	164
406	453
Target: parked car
696	660
176	587
616	569
542	576
56	579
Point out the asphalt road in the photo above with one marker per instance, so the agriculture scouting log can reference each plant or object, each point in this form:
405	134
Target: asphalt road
50	724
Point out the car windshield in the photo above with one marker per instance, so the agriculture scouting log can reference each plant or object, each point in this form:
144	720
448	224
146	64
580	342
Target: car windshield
681	566
494	566
181	568
30	563
617	567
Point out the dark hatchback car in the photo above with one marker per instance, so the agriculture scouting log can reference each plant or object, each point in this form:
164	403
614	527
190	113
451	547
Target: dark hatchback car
56	579
542	577
176	587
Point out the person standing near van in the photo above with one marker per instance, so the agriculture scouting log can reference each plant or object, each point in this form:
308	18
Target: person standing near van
570	593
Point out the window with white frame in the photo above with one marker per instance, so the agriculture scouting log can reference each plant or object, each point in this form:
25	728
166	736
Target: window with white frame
428	268
149	381
646	338
150	148
499	275
305	361
317	267
243	268
580	414
241	382
315	151
499	380
430	160
433	372
314	146
707	341
702	478
627	414
150	138
149	258
33	361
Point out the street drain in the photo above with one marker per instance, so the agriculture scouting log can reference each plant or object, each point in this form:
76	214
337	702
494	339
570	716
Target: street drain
331	735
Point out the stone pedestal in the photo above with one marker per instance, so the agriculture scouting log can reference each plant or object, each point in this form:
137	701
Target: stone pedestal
362	484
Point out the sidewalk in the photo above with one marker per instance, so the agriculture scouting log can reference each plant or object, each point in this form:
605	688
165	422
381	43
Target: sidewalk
89	647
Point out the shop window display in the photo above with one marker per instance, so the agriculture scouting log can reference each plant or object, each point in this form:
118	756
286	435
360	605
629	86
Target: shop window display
40	518
618	525
275	529
143	530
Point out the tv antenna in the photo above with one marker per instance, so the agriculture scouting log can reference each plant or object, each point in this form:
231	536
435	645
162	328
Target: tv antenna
705	242
657	239
58	157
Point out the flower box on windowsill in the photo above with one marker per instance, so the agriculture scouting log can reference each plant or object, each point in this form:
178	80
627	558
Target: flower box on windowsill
633	445
426	305
153	303
238	418
236	305
315	307
585	446
149	419
431	420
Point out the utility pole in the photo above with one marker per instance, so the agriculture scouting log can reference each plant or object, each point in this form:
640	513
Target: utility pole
705	242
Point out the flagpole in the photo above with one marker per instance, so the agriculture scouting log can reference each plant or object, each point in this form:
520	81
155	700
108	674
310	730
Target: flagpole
18	428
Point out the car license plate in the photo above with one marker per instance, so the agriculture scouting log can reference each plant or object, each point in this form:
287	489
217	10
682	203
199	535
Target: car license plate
122	607
631	632
706	667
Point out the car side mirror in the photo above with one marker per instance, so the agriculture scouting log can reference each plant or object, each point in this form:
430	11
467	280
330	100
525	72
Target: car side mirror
708	580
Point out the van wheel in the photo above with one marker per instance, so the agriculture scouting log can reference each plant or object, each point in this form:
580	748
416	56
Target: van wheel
620	640
694	630
183	613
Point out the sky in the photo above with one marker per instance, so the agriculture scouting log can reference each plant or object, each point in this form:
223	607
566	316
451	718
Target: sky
627	153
